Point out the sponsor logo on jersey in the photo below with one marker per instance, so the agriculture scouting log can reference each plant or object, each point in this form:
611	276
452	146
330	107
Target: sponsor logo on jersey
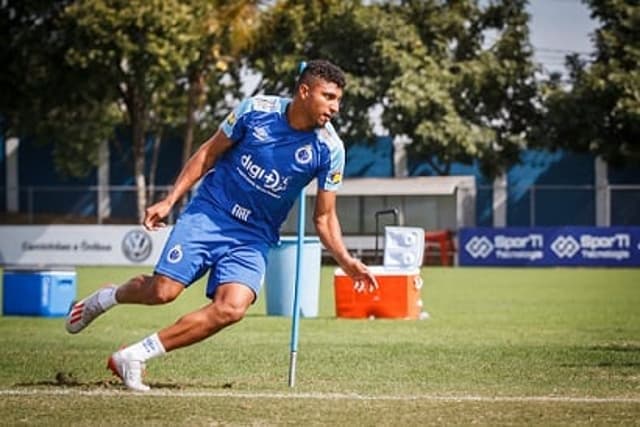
335	178
304	155
240	212
231	119
270	181
260	133
264	104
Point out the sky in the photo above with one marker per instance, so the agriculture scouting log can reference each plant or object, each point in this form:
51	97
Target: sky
559	27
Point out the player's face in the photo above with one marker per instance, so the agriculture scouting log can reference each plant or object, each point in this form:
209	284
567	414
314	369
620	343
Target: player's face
322	101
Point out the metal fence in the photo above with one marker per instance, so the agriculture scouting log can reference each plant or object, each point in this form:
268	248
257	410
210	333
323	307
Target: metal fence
560	205
538	205
75	204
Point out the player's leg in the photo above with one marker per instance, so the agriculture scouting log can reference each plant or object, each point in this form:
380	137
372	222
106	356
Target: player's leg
233	286
229	306
143	289
231	302
149	290
184	259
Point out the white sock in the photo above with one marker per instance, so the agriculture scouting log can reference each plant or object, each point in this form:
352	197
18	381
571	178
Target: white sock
107	297
146	349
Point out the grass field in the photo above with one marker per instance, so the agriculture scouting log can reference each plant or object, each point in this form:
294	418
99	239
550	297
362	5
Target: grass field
502	347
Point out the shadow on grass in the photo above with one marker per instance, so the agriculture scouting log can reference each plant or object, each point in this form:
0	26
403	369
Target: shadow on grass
602	365
620	347
68	380
624	350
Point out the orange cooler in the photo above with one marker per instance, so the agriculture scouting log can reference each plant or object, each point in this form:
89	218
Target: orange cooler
397	297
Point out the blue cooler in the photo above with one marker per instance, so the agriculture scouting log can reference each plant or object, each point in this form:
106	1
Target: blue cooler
29	291
280	277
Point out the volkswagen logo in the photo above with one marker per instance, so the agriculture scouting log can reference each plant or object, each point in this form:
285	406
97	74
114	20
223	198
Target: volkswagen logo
136	245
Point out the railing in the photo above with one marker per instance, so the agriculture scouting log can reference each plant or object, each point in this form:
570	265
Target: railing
538	205
70	204
556	205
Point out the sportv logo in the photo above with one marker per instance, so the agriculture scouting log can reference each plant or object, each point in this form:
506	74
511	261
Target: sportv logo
565	246
479	247
506	246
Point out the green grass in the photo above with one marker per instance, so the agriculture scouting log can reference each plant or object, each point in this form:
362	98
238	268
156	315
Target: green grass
497	341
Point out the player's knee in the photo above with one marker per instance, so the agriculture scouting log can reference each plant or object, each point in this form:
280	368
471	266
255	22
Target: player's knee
230	313
163	290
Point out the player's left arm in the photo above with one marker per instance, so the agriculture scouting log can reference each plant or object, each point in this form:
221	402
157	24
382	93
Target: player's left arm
330	233
197	165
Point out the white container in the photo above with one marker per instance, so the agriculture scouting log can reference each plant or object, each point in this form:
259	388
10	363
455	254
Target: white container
403	247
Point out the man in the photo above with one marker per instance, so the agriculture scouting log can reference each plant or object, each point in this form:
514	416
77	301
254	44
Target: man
265	152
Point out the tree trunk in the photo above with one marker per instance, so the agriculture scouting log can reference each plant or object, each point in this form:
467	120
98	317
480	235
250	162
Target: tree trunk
196	87
153	167
138	125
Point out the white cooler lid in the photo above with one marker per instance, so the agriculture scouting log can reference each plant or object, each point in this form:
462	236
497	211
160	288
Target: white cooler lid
403	247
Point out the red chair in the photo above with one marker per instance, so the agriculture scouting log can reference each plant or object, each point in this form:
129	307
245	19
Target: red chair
440	241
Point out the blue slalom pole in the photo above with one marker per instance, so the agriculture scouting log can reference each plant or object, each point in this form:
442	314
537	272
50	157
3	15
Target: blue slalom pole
296	292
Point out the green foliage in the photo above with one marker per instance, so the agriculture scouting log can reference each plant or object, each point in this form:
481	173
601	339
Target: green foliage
466	92
140	48
342	31
599	110
78	133
137	43
455	77
45	97
457	96
223	30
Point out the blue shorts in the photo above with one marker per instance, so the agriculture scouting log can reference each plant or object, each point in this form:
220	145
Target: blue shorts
200	242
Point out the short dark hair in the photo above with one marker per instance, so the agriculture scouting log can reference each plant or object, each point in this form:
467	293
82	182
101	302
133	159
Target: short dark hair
323	69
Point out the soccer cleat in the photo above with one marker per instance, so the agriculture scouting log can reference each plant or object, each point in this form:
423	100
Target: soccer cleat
129	371
85	311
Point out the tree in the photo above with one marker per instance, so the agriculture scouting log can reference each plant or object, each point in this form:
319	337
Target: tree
458	96
341	31
94	65
428	64
224	29
41	96
599	110
139	46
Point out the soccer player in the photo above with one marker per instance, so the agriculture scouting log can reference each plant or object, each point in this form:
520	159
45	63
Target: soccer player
253	169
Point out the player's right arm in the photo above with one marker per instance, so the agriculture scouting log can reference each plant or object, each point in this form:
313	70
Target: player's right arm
197	165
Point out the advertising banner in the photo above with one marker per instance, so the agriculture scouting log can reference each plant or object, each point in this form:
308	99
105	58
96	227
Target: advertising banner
550	246
70	245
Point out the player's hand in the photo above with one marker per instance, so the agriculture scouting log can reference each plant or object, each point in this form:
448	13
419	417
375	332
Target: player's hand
363	279
154	215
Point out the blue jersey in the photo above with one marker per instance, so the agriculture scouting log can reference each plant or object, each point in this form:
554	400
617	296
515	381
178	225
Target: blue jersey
258	180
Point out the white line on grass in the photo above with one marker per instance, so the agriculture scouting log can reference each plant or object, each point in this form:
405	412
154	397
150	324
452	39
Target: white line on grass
316	396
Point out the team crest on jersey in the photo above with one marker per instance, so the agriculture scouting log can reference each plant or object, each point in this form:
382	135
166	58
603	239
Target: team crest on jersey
304	155
175	254
335	178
